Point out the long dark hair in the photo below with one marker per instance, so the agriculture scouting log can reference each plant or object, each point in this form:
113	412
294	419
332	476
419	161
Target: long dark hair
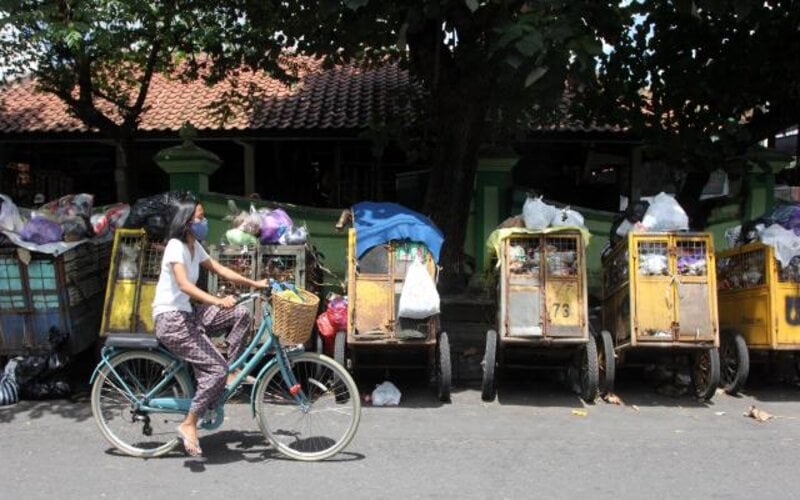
184	213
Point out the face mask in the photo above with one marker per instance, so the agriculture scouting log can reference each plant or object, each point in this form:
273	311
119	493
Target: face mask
200	229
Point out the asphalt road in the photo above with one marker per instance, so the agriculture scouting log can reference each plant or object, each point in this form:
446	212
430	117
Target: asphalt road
529	443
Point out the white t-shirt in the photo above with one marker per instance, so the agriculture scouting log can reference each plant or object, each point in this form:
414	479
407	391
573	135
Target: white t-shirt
169	296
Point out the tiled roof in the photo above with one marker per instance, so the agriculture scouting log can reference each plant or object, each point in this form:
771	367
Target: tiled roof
344	97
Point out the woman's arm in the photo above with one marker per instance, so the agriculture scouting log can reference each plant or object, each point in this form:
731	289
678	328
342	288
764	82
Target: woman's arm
231	275
190	289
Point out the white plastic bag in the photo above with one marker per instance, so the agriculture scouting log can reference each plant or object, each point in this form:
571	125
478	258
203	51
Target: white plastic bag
386	394
567	217
419	298
665	214
294	236
733	235
784	241
9	215
537	214
654	265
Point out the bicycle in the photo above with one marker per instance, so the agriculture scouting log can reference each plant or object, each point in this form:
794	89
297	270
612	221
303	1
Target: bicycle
141	391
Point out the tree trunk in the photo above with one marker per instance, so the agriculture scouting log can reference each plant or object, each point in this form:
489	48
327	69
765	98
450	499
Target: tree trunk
124	170
689	198
452	177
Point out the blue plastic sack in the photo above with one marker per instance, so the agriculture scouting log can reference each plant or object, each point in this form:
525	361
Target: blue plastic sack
41	230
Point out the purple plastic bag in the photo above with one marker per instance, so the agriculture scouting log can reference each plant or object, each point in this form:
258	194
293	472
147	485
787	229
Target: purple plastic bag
41	230
273	224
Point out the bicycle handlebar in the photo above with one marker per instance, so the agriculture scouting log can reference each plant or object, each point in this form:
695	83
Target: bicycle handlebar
245	297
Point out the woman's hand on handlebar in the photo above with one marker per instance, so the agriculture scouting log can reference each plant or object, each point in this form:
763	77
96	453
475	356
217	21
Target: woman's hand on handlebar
262	283
226	302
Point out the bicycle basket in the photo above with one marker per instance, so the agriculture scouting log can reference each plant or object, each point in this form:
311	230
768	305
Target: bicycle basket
292	322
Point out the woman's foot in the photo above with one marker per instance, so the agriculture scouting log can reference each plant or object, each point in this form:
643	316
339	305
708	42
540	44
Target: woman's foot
188	435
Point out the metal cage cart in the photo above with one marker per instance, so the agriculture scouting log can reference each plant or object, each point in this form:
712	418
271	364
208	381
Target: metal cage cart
542	314
374	283
39	292
759	305
659	296
132	279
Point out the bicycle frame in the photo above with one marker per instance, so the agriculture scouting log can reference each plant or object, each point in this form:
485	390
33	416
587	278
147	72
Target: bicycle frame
150	404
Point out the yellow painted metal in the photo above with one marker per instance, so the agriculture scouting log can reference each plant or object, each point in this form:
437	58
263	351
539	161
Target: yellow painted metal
372	296
563	303
543	304
765	311
665	309
122	311
128	302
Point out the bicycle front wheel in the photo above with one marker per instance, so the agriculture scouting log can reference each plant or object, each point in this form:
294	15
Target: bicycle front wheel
131	431
325	419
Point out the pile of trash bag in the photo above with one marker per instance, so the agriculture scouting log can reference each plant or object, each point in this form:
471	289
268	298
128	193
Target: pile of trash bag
263	226
661	213
536	214
36	377
780	230
154	213
68	219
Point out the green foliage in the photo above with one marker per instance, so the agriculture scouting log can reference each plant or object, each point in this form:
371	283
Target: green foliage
720	75
99	56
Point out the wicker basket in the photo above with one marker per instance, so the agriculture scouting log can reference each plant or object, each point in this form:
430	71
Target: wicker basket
293	322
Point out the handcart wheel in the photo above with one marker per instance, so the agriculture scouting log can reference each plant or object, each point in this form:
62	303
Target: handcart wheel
445	373
734	360
318	344
339	348
488	387
588	370
705	372
606	363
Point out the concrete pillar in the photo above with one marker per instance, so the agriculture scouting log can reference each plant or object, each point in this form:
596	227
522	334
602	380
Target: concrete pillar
490	203
188	165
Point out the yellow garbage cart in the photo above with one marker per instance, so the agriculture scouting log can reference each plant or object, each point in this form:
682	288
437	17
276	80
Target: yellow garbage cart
542	314
759	304
659	296
374	283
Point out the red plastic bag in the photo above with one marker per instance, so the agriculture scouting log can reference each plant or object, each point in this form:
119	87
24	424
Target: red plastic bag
324	326
327	332
337	313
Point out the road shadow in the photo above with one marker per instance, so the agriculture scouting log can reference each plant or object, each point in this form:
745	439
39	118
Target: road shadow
232	446
76	409
635	386
416	388
538	388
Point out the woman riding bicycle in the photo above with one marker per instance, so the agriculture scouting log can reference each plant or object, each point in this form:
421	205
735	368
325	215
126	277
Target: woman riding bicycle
181	327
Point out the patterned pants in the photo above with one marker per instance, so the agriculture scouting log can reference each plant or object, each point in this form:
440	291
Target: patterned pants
184	334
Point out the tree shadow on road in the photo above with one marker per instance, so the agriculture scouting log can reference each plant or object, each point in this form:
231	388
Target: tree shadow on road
73	409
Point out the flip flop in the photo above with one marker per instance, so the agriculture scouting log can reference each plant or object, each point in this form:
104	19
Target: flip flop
192	447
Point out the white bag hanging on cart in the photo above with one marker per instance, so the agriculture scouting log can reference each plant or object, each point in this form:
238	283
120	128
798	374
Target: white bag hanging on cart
419	298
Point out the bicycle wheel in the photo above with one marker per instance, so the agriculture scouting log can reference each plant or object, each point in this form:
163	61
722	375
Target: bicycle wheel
137	433
325	424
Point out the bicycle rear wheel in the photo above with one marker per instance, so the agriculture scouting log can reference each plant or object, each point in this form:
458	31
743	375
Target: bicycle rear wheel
321	426
134	432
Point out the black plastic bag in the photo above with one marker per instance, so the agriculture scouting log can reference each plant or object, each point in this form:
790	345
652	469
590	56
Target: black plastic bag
155	213
49	389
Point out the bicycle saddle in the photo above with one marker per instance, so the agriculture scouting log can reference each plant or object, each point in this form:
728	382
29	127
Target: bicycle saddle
132	340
